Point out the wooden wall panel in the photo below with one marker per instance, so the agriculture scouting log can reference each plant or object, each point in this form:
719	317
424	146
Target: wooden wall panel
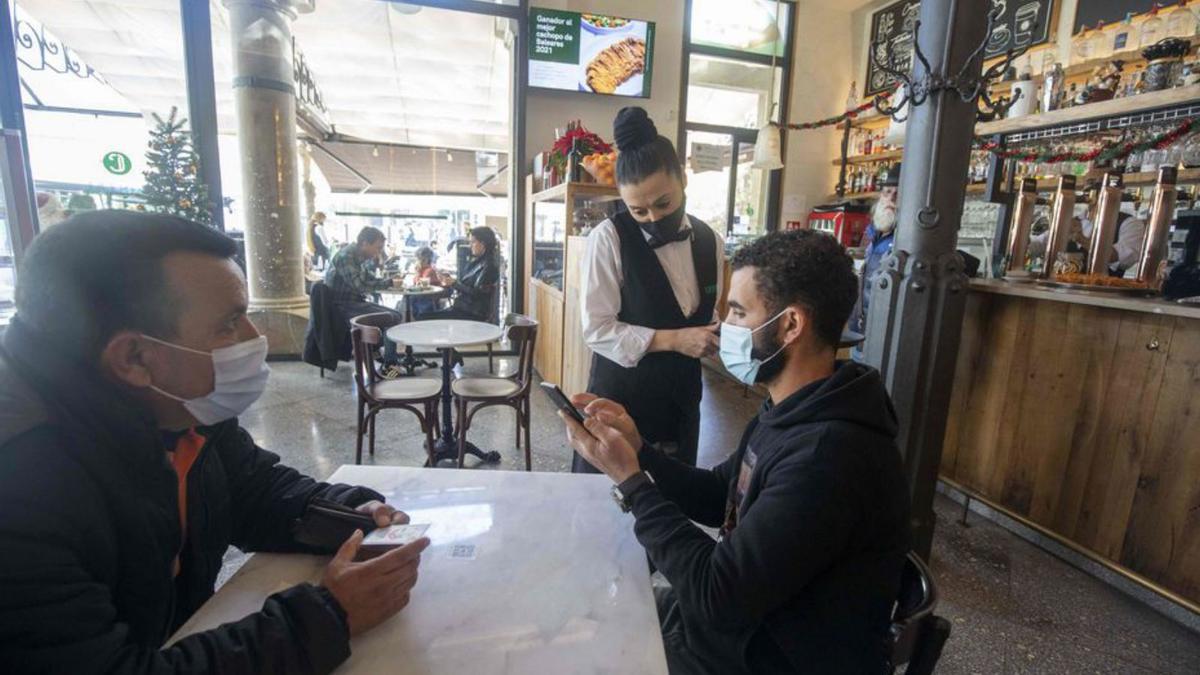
1085	420
547	354
1163	536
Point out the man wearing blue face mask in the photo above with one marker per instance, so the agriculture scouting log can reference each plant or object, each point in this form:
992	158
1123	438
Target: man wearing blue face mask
124	475
812	505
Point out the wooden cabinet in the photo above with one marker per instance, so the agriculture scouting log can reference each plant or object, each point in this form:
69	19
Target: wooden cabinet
554	268
1084	420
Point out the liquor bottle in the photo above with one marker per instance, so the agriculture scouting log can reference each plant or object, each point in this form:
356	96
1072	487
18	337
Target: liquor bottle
1052	88
868	144
852	97
1152	29
575	162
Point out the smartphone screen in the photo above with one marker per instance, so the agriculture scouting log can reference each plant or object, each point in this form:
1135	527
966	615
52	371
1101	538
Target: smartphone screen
561	401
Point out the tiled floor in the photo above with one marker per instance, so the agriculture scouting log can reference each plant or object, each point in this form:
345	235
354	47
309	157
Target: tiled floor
1014	608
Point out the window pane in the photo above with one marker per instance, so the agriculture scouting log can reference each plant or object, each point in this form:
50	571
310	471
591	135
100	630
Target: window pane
730	93
707	165
750	198
7	276
744	25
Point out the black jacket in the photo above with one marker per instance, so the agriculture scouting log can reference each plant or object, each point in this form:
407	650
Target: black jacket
813	564
477	288
327	339
89	531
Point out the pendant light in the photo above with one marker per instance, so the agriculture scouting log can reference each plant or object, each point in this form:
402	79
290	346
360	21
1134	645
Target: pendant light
768	149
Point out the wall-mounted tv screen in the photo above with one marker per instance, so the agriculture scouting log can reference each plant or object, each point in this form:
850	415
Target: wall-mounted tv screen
590	52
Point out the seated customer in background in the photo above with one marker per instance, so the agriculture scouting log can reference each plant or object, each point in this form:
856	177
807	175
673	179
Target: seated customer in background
812	505
351	280
477	285
427	272
124	475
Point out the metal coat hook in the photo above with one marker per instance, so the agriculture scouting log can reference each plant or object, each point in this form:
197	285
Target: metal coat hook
968	88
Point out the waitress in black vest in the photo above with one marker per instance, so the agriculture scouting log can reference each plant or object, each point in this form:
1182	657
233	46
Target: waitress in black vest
651	279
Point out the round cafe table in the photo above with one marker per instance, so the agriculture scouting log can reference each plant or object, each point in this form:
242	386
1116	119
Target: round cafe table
446	336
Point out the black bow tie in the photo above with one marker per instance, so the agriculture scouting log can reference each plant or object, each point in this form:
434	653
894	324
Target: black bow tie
656	241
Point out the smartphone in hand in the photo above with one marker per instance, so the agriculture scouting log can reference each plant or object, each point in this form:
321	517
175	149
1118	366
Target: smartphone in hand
561	401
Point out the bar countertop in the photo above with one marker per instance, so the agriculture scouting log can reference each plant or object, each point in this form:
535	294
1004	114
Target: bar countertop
1093	298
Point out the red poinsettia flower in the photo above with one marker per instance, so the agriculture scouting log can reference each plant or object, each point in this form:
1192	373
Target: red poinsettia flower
589	142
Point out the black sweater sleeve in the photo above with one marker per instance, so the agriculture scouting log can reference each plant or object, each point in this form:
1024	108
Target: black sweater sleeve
266	496
799	523
699	493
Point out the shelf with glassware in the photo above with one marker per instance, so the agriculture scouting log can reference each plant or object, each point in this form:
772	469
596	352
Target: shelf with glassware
557	222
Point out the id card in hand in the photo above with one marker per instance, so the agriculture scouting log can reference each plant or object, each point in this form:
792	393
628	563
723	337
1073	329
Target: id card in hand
384	539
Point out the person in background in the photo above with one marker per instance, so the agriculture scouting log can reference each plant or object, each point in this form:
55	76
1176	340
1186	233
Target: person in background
317	247
424	272
651	279
475	289
351	280
125	476
877	240
812	506
1127	242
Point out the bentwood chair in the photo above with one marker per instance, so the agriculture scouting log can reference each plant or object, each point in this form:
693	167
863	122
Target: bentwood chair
488	391
375	393
917	635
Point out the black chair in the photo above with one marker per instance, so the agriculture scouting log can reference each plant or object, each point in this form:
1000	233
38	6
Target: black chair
511	391
917	634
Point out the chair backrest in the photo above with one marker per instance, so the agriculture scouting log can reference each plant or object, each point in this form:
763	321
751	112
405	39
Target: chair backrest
914	628
522	334
366	336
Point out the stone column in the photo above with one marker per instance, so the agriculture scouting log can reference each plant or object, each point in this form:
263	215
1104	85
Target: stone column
265	97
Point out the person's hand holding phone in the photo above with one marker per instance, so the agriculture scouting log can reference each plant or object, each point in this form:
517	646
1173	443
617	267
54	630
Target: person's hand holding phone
604	446
610	413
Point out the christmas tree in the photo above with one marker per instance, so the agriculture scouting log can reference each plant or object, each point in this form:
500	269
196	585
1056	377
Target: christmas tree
172	182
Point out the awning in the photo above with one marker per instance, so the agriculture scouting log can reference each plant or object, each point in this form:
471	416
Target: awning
361	166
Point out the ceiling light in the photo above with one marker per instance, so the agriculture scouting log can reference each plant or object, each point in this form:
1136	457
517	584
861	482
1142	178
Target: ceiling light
374	150
449	157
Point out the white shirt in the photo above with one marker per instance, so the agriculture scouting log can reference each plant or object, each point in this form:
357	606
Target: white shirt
625	344
1128	246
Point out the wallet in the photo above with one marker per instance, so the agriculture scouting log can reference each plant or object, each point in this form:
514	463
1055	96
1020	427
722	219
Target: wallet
327	525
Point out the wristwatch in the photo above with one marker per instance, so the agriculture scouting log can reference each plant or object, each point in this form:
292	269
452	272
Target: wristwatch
621	493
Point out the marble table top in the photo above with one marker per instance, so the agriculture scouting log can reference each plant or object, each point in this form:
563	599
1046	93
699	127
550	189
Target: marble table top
445	333
556	582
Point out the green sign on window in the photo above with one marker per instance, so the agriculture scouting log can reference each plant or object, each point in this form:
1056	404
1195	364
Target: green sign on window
118	163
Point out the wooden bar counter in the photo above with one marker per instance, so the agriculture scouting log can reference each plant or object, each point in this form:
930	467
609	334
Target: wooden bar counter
1079	414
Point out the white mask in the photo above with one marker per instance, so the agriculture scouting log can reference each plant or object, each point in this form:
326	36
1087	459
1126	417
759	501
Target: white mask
240	374
737	348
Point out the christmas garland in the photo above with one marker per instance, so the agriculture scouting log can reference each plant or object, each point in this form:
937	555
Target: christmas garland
1103	153
832	121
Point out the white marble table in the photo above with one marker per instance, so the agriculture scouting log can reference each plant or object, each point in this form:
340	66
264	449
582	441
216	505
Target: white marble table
558	583
446	335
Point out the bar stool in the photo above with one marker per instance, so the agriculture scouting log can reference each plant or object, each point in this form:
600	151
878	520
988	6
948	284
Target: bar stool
489	391
416	395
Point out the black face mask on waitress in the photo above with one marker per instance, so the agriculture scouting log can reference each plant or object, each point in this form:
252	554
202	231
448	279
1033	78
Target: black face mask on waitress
666	229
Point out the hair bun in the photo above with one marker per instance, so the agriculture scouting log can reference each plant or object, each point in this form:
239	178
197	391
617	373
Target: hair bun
633	128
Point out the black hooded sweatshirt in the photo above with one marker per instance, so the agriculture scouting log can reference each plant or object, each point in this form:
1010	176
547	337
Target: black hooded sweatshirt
813	536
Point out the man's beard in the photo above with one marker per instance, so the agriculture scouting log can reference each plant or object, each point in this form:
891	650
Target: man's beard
769	370
884	215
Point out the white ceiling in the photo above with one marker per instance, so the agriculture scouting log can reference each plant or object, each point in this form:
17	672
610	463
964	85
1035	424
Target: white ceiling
434	78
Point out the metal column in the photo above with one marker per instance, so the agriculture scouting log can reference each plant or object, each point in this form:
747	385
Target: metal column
196	21
14	153
920	295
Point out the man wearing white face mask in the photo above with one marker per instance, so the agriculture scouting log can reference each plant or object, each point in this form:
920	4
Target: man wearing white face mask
124	475
812	504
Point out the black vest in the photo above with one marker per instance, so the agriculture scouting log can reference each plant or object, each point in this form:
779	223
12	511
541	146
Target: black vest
663	384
